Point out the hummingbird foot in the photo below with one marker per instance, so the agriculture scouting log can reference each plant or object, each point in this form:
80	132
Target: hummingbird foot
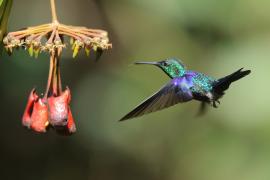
214	103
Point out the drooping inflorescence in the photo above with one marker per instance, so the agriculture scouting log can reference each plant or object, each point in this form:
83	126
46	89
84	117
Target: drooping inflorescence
53	109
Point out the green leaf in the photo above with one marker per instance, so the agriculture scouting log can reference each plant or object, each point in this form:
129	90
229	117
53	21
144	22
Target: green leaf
31	50
87	51
75	50
36	52
5	7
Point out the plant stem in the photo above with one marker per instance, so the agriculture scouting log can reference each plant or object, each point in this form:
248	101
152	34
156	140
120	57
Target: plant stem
55	78
53	9
59	84
50	76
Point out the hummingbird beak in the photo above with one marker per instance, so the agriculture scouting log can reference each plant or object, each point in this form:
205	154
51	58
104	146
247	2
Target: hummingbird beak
143	62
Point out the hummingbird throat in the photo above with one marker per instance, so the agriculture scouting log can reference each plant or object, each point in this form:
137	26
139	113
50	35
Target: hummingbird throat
175	70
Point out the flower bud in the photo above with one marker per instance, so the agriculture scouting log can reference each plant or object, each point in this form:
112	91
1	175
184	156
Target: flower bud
71	124
26	120
58	108
69	129
39	117
35	116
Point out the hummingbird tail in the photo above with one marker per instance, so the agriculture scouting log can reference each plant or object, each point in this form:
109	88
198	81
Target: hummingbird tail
224	83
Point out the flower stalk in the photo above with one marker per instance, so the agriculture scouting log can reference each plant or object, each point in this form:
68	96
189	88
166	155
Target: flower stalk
53	9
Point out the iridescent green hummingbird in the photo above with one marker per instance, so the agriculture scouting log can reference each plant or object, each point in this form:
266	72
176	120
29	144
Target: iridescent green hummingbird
185	85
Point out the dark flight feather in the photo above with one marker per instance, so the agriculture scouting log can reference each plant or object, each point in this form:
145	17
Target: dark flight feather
223	84
167	96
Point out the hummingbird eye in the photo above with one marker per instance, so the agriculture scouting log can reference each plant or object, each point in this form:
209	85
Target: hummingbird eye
164	63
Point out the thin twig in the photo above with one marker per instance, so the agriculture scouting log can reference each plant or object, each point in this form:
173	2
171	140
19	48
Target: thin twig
53	9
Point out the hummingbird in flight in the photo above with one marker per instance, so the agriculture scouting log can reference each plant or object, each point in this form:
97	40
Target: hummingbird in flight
185	85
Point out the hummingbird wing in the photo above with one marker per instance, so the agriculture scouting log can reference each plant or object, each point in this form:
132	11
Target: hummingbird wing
176	91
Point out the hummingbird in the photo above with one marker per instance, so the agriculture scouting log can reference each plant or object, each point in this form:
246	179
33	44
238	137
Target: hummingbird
185	85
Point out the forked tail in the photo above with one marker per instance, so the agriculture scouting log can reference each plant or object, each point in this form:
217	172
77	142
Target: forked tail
223	84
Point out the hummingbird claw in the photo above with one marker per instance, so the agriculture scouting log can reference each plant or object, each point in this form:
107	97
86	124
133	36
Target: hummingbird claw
214	104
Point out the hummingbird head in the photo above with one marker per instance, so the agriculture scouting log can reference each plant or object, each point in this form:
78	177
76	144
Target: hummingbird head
172	67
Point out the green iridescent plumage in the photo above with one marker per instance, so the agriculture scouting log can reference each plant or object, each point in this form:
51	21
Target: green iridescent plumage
173	68
202	83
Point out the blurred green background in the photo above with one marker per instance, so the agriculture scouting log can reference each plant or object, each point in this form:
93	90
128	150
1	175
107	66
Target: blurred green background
214	37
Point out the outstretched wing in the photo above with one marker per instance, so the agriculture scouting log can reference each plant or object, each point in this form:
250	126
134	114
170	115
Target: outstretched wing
176	91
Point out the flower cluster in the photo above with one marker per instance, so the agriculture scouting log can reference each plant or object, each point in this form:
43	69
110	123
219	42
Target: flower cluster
80	38
53	109
41	113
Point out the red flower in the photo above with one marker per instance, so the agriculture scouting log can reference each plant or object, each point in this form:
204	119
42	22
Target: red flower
69	128
59	108
53	110
39	116
60	115
36	113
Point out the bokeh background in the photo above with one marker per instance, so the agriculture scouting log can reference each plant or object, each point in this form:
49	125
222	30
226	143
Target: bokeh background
214	37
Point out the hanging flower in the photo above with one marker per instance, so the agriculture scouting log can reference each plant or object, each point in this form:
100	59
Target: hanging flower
36	113
53	109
